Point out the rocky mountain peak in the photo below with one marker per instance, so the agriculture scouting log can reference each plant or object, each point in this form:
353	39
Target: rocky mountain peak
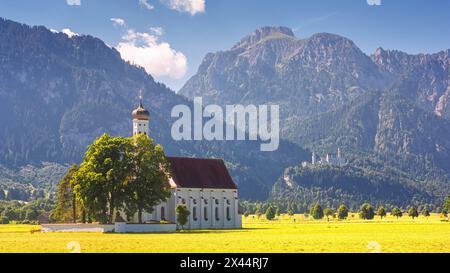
264	33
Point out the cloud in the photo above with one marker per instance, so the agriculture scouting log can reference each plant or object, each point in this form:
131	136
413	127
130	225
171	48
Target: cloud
374	2
73	2
118	22
69	32
191	6
157	58
158	31
146	4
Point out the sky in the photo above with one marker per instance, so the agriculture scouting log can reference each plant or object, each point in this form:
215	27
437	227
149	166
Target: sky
169	38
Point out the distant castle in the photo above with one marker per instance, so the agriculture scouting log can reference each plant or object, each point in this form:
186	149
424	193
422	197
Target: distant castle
329	159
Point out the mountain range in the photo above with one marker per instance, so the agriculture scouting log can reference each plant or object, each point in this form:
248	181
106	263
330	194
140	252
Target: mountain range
388	112
58	93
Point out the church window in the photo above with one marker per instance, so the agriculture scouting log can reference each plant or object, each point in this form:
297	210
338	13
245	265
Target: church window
205	213
228	214
228	201
217	201
194	213
163	213
217	214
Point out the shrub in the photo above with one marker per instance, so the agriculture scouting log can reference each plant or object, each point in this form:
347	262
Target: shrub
366	212
4	220
317	212
381	212
328	212
182	215
396	212
270	213
412	212
342	212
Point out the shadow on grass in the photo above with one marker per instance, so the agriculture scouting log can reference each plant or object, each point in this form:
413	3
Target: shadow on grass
194	231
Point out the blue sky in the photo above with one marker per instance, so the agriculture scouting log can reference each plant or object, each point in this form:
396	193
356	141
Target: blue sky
170	37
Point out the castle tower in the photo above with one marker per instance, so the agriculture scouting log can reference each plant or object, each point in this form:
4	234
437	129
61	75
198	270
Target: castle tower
141	119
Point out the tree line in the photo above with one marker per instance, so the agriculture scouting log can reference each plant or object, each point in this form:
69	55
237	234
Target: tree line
117	174
366	211
332	185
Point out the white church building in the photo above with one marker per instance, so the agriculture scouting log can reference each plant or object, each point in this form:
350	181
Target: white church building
203	185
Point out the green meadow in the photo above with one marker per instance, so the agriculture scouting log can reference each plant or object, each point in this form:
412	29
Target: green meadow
285	234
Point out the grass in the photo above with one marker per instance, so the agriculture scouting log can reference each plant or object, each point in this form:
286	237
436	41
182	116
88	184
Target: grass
258	235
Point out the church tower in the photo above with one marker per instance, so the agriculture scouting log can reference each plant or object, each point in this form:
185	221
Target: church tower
141	119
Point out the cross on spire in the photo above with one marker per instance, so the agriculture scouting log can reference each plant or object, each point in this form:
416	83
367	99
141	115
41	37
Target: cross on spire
140	99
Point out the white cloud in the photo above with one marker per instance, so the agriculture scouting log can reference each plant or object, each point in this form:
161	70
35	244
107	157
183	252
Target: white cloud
158	31
157	58
374	2
73	2
69	32
146	4
118	21
191	6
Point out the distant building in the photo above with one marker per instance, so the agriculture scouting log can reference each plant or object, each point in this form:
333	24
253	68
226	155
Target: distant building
329	159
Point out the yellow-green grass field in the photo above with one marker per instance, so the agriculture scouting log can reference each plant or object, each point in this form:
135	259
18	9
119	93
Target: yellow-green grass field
258	235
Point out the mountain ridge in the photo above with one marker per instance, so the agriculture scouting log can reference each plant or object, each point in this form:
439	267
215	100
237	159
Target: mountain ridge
388	111
58	93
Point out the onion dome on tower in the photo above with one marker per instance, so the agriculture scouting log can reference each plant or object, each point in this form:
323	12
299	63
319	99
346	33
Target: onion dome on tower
141	113
141	119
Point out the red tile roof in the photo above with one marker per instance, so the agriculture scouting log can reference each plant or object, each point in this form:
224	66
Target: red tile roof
200	173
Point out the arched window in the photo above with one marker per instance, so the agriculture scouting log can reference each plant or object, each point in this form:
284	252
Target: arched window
163	213
194	213
205	213
217	214
228	214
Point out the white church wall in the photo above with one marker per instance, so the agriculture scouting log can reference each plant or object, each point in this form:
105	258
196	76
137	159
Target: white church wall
209	208
215	202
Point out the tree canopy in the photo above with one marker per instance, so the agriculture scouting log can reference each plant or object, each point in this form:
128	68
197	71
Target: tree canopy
121	174
366	212
317	212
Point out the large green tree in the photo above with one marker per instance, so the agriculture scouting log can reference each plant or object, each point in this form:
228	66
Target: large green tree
145	187
68	208
101	177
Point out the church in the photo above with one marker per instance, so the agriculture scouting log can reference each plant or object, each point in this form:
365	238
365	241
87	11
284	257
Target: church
203	185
